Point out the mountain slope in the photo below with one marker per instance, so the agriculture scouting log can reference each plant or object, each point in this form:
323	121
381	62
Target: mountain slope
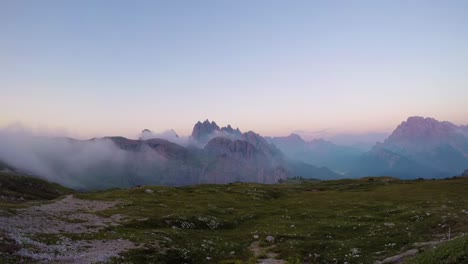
418	147
16	187
318	152
118	162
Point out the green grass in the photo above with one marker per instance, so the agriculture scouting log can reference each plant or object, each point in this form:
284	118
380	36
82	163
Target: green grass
358	221
17	188
354	221
452	252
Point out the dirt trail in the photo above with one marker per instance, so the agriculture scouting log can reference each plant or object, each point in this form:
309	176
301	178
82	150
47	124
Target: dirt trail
69	215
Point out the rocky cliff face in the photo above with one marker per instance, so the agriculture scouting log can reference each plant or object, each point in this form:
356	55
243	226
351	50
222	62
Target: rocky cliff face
228	129
250	157
241	160
202	131
420	134
239	149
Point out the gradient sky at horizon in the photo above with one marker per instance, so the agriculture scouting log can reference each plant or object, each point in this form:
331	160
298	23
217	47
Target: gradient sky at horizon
97	68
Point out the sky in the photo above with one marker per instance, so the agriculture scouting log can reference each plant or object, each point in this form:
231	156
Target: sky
96	68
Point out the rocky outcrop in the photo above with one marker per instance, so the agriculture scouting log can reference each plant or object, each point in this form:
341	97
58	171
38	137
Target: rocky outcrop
228	129
243	160
261	144
203	131
233	148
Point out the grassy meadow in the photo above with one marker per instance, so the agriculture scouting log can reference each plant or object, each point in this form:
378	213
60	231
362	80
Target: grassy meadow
354	221
343	221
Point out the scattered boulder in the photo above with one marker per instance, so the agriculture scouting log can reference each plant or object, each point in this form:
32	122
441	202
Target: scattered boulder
270	239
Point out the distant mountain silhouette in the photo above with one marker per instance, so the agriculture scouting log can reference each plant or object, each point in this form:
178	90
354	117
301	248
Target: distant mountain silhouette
148	134
418	147
114	162
318	152
204	132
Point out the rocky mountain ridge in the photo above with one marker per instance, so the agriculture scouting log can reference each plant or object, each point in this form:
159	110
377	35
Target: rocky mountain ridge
418	147
116	162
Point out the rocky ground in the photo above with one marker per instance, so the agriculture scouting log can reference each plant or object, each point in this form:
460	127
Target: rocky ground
41	231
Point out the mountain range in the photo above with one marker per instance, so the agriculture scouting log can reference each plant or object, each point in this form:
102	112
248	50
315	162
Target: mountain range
319	152
212	155
418	148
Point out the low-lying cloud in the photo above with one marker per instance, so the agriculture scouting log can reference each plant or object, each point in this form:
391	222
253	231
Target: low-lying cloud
79	164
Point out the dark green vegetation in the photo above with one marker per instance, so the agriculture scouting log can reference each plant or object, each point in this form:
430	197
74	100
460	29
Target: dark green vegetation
358	221
453	252
354	221
16	189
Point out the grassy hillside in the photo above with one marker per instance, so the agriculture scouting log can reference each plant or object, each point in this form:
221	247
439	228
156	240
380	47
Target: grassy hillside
452	252
17	188
358	221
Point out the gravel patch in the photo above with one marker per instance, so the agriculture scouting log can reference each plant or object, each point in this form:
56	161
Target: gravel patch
69	215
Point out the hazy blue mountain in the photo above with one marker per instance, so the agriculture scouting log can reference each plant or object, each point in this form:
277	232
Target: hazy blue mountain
318	152
418	147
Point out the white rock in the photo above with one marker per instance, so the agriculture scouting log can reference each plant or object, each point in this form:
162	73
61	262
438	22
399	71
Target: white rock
270	239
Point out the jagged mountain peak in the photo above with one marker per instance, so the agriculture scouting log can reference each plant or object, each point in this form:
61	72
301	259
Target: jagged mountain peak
231	130
421	131
428	147
202	131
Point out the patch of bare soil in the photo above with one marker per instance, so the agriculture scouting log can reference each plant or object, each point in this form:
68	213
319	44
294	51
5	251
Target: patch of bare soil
69	215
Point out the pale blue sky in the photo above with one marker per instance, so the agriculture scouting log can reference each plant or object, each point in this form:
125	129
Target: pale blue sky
116	67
